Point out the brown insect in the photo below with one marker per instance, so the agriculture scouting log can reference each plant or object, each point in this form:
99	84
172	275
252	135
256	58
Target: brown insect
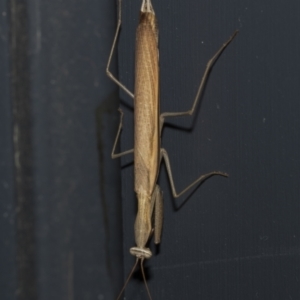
148	123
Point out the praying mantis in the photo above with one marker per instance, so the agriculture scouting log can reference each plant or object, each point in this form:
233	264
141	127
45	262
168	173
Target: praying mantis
148	124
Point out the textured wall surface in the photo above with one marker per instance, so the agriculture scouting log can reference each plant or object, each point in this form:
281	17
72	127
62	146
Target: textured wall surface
60	191
67	210
235	238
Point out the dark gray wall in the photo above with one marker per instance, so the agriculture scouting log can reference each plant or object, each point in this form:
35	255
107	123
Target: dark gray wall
62	208
235	238
7	205
61	234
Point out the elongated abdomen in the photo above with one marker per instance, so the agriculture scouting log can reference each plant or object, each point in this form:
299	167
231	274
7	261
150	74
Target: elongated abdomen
146	106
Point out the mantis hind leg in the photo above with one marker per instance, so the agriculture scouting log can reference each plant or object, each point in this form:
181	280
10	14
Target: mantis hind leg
113	154
108	72
165	156
209	66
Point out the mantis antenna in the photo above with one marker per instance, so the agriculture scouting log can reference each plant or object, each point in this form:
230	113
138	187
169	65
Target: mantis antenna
130	275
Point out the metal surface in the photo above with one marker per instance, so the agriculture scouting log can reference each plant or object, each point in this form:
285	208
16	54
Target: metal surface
60	191
237	238
244	233
7	202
